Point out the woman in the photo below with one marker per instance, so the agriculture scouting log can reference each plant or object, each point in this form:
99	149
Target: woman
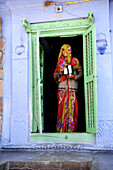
67	73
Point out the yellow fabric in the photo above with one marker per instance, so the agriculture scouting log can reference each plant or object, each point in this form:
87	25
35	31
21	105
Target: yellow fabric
77	66
66	47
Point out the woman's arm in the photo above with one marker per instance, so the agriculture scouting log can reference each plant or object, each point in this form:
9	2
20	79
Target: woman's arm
79	75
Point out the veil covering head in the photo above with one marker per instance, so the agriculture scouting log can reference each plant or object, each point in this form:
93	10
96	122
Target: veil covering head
64	61
66	48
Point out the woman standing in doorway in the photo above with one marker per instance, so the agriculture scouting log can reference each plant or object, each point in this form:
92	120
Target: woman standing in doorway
67	73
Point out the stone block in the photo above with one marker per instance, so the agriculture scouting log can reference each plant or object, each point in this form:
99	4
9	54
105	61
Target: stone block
47	165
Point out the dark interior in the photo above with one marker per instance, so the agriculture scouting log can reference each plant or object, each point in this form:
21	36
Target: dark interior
52	47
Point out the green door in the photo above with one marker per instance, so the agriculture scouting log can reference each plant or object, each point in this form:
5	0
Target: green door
90	79
36	54
36	81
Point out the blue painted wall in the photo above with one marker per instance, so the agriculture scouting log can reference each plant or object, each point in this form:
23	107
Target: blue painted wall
16	116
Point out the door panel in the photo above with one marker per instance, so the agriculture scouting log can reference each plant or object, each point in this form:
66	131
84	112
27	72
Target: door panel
35	82
90	79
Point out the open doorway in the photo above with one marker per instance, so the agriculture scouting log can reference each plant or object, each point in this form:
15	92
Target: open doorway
52	47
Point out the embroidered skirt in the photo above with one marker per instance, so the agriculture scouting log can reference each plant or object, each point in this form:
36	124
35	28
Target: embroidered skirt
67	111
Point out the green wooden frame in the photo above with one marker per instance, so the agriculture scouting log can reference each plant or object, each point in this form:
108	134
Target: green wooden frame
64	29
90	79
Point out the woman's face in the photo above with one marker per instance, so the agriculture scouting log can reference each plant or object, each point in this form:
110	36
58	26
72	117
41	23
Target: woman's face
64	53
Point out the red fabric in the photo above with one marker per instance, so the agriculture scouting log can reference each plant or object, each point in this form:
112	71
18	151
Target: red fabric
67	101
67	122
62	63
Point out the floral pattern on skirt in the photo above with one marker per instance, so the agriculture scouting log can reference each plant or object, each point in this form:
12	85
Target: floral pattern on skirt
67	111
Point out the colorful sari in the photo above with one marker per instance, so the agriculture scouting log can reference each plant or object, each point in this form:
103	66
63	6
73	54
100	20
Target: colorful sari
67	99
67	111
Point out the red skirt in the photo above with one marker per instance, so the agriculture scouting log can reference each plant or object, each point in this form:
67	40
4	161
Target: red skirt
67	111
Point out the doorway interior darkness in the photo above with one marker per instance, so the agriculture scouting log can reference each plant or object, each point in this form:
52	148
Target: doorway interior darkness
52	47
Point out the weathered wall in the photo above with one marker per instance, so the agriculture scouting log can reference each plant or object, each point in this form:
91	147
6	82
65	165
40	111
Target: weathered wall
5	14
16	128
2	45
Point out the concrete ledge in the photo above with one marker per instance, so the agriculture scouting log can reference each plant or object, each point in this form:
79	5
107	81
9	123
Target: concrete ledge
56	146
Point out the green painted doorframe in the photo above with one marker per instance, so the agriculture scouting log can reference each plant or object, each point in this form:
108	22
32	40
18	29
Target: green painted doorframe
66	28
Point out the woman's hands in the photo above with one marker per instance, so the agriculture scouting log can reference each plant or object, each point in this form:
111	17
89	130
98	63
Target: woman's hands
68	76
71	77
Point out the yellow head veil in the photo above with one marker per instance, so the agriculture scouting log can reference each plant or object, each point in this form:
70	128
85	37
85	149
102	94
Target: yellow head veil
67	48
